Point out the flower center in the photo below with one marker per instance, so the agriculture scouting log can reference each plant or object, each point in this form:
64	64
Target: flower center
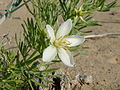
61	43
81	13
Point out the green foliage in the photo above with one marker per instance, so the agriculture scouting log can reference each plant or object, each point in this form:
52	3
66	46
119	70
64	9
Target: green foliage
35	35
80	11
22	69
44	10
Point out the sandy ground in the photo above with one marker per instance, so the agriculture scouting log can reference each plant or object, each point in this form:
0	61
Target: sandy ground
102	61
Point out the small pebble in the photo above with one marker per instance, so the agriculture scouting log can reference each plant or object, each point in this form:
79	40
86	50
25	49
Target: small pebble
87	79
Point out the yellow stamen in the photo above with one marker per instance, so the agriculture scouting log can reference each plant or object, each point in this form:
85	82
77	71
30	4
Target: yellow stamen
61	42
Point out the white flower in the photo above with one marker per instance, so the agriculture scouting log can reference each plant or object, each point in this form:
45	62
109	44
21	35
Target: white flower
60	42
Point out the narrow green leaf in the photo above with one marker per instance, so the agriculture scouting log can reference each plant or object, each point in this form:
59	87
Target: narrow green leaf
37	83
49	70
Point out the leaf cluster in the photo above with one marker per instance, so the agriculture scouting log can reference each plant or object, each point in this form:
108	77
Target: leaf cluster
22	68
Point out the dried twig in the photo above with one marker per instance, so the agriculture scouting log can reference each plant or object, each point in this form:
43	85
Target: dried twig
4	39
101	35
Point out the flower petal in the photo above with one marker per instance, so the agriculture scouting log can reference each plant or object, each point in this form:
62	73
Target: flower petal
64	29
66	57
50	33
75	40
2	19
49	53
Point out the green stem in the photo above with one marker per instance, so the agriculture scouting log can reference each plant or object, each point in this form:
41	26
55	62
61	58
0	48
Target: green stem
28	8
30	84
19	6
75	21
61	4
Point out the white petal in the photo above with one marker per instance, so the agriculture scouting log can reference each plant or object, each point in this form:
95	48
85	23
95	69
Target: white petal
66	57
75	40
64	29
49	53
50	33
2	19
